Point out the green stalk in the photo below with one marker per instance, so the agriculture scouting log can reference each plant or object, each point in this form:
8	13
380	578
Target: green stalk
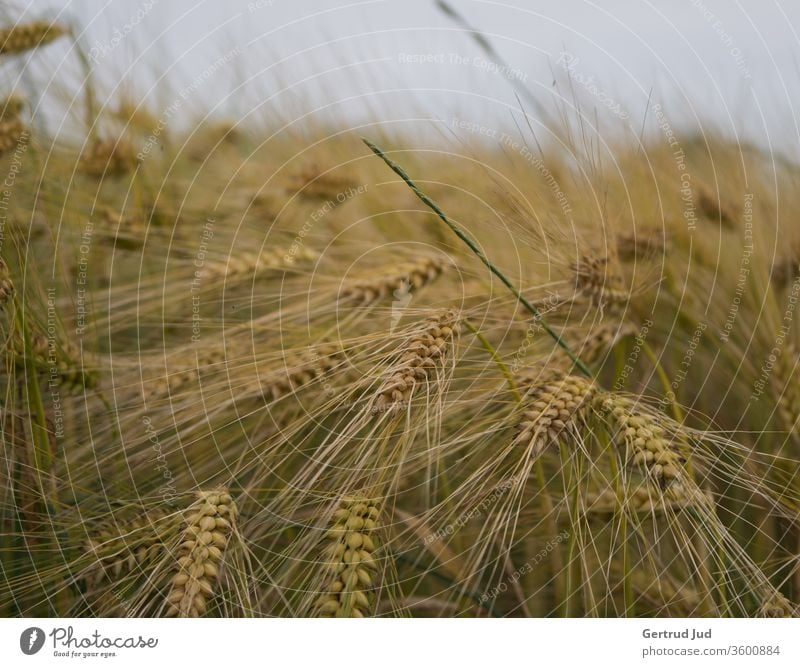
496	357
537	316
42	457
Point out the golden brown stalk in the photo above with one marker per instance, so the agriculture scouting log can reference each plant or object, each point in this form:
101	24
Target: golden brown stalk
25	36
398	280
121	549
550	409
351	568
209	524
595	279
424	353
109	157
646	441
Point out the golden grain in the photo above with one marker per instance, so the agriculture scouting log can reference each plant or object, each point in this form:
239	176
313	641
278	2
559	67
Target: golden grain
597	280
126	548
645	440
350	565
420	357
25	36
551	408
209	524
396	281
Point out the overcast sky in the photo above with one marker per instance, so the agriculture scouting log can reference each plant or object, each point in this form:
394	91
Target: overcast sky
728	63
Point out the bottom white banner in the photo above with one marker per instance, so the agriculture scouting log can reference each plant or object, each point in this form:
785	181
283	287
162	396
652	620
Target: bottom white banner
390	642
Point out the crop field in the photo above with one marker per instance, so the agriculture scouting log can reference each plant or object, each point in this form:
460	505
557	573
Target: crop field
305	370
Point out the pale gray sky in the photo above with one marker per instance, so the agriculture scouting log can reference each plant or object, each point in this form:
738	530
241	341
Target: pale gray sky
728	63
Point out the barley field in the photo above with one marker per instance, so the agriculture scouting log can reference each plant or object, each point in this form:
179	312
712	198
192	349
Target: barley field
306	370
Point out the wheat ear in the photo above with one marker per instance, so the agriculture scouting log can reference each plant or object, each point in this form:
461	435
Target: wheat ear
646	441
641	244
124	548
473	246
351	566
714	209
423	353
644	499
397	279
315	185
777	606
209	524
299	370
253	263
786	270
25	36
599	342
11	131
550	408
595	279
111	157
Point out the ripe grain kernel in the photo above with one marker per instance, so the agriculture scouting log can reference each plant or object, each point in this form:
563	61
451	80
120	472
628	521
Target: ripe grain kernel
418	359
409	276
347	588
550	408
198	565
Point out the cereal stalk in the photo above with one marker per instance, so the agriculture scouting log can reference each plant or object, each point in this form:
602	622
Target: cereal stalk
537	315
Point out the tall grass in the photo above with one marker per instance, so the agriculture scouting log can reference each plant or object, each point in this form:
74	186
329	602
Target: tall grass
262	375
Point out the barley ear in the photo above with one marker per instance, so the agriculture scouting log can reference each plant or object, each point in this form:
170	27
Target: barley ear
645	440
209	524
551	408
26	36
351	566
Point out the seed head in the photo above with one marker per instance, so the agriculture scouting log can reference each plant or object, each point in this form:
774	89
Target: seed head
209	524
409	276
421	355
25	36
645	440
550	409
350	565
